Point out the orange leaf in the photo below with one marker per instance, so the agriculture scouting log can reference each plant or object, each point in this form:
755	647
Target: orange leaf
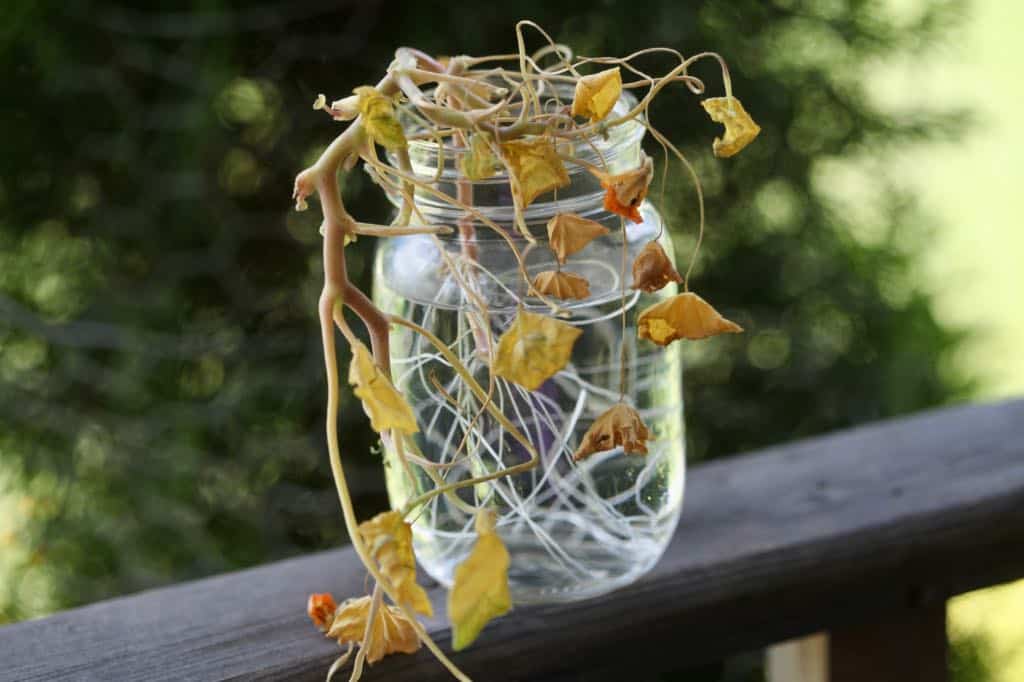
652	269
684	316
569	233
620	425
740	129
563	285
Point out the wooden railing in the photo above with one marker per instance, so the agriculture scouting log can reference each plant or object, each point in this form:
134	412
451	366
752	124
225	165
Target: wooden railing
864	534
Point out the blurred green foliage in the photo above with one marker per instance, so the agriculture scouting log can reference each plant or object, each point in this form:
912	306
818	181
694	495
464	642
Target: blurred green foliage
161	382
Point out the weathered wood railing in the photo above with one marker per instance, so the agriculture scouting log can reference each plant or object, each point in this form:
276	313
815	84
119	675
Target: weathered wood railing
863	534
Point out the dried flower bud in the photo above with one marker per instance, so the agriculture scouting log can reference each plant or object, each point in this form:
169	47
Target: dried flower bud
620	425
652	269
320	608
740	129
564	285
569	233
626	191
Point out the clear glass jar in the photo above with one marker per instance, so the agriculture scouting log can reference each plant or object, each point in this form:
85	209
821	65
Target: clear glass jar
573	530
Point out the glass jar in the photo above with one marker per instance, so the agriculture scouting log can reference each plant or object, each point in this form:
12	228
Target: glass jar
573	529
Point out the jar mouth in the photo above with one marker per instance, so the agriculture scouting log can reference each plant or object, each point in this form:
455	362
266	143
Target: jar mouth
438	165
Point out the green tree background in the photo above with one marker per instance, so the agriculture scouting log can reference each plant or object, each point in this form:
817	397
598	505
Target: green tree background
161	389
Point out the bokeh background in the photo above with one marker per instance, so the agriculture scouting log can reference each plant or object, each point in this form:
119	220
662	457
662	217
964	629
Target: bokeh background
161	389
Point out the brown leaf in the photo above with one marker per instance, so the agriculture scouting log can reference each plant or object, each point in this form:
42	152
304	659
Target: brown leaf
620	425
684	316
561	284
569	233
652	269
626	191
740	129
392	631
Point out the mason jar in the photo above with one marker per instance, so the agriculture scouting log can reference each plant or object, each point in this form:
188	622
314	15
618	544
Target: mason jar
573	529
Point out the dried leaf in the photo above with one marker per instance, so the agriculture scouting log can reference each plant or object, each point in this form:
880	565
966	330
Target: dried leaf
620	425
652	269
320	608
378	117
480	590
564	285
384	405
392	632
685	316
533	349
626	191
597	94
569	233
740	129
535	167
479	163
389	540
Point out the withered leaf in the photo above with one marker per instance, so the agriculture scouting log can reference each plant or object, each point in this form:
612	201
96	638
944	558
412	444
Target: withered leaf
620	425
480	591
389	540
479	162
392	632
652	269
533	349
569	233
684	316
384	405
740	129
378	117
560	284
597	94
535	167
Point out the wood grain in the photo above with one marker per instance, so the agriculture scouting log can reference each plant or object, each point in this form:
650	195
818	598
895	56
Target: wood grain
822	534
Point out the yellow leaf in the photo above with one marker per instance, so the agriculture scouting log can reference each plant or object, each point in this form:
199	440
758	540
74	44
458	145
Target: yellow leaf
533	349
389	540
480	590
378	116
624	192
652	269
479	163
740	129
392	632
384	405
685	316
535	167
597	94
569	233
562	285
620	425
